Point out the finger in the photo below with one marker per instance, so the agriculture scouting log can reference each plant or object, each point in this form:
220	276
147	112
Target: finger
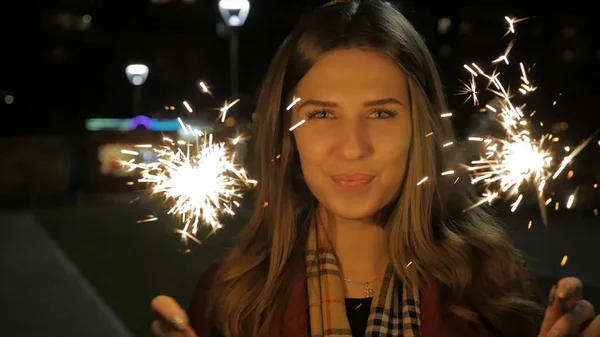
593	328
189	333
169	311
570	323
552	312
569	288
563	296
162	329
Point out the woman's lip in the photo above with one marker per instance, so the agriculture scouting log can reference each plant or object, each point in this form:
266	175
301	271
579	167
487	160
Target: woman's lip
352	177
351	182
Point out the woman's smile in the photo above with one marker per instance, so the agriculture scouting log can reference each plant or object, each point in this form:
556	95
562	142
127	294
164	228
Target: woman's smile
352	182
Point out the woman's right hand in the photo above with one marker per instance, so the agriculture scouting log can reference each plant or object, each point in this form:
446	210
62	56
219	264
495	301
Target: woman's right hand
568	314
172	321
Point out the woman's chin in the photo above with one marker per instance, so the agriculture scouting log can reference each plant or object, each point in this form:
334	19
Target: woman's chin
350	210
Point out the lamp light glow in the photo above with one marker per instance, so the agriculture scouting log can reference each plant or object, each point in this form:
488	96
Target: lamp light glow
234	12
137	73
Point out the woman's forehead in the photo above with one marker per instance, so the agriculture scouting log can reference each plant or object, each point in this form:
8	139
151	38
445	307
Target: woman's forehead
357	73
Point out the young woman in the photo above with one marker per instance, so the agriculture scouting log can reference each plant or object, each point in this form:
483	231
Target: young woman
351	243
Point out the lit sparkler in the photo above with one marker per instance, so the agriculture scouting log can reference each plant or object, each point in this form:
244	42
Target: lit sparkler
200	179
518	158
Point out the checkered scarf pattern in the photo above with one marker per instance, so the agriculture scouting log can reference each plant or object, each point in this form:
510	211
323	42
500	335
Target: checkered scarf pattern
326	296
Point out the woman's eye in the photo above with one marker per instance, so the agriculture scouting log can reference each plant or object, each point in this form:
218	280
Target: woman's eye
320	114
377	114
380	114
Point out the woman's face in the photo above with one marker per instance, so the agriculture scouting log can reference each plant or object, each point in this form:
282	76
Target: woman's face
354	144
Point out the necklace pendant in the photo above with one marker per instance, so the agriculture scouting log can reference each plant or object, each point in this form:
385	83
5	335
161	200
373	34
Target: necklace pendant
368	290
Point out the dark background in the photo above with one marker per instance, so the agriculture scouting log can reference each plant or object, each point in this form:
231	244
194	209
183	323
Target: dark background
64	61
72	255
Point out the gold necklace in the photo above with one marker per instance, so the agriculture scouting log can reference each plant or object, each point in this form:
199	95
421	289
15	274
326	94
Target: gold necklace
368	289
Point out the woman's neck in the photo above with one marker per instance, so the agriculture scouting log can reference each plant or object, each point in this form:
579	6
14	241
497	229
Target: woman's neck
360	247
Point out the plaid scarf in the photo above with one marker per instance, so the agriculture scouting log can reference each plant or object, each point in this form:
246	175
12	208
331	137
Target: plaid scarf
326	299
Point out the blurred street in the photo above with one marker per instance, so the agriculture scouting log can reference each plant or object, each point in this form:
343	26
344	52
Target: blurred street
92	269
43	293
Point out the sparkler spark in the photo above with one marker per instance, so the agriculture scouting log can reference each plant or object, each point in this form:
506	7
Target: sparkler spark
297	124
225	108
188	107
294	102
422	181
469	89
518	158
511	24
204	88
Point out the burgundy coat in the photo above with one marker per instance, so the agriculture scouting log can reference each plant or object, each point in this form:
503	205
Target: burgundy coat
295	322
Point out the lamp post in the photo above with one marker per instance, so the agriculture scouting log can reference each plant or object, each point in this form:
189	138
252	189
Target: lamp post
234	13
137	75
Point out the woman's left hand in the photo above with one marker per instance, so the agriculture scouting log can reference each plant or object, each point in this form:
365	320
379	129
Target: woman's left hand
568	314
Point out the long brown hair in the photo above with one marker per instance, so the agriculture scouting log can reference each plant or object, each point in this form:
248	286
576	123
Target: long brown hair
468	253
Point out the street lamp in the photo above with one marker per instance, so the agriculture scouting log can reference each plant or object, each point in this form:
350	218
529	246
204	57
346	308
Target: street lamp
234	13
137	75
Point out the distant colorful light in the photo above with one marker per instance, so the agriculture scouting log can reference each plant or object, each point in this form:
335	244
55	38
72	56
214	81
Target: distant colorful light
150	124
130	124
145	121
